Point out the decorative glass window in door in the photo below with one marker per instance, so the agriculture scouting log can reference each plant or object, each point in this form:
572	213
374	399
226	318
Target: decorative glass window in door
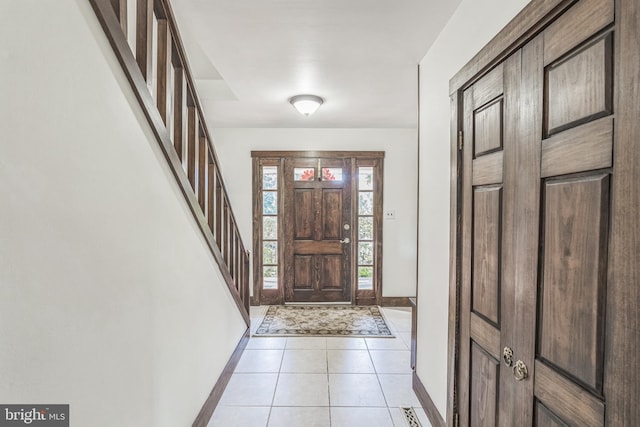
304	174
332	174
270	227
365	228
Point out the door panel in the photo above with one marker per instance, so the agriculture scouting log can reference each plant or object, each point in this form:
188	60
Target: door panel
303	207
303	271
546	418
574	277
488	128
331	272
316	258
486	240
579	87
332	213
484	388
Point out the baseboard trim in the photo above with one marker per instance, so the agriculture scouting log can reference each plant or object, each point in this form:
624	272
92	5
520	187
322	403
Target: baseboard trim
214	397
396	301
427	404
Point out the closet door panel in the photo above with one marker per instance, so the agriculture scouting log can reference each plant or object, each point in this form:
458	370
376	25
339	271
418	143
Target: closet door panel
574	269
579	87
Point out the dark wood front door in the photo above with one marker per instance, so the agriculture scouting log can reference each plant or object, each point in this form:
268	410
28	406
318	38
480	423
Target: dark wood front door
317	230
538	170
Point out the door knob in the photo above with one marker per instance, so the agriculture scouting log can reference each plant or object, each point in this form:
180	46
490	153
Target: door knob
520	371
507	356
345	240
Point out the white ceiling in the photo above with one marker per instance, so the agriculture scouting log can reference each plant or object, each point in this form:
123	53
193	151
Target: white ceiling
250	56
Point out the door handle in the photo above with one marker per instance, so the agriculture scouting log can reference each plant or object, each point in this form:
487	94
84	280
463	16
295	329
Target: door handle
345	240
507	356
520	371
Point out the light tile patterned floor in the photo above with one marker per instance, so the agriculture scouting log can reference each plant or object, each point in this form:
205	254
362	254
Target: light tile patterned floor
322	382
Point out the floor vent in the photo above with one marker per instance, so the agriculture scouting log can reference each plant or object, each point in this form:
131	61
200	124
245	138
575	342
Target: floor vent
410	417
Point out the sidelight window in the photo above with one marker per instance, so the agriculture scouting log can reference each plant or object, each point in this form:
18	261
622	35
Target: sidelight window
269	217
365	234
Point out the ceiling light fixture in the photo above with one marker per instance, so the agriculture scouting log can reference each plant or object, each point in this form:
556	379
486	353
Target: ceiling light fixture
306	104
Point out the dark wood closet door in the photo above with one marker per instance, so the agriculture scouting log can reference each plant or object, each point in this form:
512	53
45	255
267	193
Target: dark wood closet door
317	227
573	65
539	143
487	110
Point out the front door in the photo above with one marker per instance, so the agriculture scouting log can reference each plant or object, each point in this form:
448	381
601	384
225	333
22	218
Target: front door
538	145
317	230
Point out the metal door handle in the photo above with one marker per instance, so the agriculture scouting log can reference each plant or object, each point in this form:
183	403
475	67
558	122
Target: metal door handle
507	356
520	371
345	240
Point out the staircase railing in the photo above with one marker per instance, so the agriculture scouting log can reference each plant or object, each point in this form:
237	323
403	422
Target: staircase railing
146	41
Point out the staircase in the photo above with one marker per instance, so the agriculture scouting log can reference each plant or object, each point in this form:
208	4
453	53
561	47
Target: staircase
146	41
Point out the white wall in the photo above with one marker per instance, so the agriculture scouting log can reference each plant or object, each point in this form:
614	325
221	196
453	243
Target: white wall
234	148
110	300
473	24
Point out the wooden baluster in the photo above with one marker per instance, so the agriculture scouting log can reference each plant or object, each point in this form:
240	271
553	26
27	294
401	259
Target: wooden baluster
219	209
202	170
164	64
245	285
120	8
144	27
225	242
232	252
241	268
211	191
229	235
179	106
239	260
236	258
228	245
192	141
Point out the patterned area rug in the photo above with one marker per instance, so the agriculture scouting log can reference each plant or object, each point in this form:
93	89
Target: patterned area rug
313	320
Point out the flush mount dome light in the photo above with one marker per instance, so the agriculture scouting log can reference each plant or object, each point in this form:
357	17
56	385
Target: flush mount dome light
306	104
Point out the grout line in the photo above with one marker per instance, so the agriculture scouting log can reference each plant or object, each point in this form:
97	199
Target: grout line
269	415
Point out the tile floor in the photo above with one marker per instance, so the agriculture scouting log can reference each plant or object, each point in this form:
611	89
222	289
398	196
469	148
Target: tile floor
322	382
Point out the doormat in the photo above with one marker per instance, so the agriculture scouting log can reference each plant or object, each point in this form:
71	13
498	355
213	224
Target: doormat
311	320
